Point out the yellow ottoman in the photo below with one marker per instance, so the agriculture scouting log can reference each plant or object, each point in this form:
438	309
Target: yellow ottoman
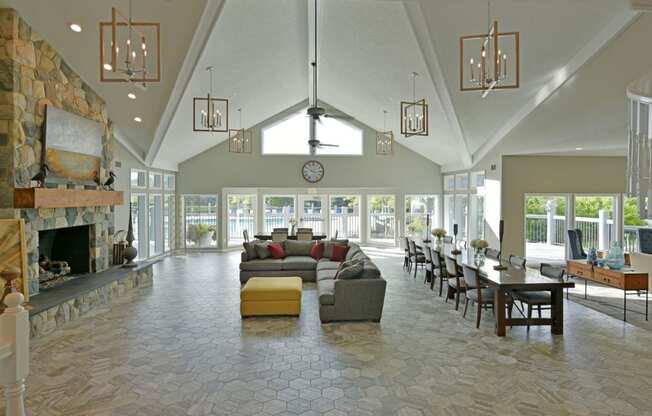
264	296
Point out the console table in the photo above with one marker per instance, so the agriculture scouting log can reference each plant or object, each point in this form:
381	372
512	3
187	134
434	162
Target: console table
627	279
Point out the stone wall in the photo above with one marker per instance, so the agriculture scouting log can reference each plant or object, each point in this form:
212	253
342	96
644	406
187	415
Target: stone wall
33	75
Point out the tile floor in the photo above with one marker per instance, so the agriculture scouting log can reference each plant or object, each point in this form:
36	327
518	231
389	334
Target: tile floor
180	348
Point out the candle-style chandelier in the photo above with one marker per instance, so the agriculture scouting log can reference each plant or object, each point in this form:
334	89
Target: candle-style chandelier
384	139
414	114
490	61
130	51
240	140
210	114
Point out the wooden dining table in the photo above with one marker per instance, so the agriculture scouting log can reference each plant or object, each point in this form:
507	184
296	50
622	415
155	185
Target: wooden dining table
266	237
506	281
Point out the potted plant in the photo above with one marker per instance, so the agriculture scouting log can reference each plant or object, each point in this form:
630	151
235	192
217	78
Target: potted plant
200	234
439	234
480	246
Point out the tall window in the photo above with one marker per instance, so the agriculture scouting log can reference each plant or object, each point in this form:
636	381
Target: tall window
290	137
169	210
476	205
632	221
449	213
242	217
312	212
545	227
278	209
594	215
345	216
461	215
200	217
420	215
139	223
382	218
155	224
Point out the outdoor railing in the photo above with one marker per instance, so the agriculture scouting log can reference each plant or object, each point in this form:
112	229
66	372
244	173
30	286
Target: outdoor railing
346	225
382	226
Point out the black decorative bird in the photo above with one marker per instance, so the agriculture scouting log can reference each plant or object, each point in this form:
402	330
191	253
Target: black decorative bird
108	185
41	175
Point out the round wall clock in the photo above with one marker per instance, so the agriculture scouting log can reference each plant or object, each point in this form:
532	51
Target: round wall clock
313	171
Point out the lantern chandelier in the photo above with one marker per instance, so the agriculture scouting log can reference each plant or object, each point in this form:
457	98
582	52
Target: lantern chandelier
639	154
384	139
240	139
414	114
210	114
130	51
490	61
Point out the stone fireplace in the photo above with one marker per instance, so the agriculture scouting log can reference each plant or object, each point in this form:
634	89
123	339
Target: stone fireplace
64	254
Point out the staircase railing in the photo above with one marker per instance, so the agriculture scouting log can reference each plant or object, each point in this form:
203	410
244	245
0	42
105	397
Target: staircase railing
14	353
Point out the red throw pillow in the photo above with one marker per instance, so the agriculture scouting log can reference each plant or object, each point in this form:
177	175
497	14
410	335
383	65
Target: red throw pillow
339	252
277	250
317	251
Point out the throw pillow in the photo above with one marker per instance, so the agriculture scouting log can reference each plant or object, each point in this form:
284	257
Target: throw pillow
339	253
328	247
276	249
297	248
317	251
352	271
262	250
250	249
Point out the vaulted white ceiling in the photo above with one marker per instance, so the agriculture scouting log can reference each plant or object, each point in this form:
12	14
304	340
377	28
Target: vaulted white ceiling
367	50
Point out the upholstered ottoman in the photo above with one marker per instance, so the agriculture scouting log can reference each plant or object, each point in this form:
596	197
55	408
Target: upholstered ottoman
264	296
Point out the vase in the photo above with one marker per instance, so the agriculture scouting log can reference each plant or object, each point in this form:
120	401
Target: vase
130	254
616	256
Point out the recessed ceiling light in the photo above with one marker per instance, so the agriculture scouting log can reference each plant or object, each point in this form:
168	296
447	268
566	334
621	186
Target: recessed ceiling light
578	148
108	67
131	95
138	119
75	27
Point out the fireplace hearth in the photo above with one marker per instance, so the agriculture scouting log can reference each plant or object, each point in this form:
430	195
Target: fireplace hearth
64	254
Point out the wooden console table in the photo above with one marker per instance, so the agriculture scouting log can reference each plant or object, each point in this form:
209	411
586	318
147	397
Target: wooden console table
626	279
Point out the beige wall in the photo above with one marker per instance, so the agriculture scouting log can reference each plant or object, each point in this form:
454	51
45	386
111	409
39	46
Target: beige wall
523	175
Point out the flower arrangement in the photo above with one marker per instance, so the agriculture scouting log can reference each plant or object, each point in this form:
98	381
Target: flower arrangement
439	232
479	244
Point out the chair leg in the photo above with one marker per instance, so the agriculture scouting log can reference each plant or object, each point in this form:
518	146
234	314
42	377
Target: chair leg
477	321
457	300
466	306
441	285
529	314
539	310
449	294
432	281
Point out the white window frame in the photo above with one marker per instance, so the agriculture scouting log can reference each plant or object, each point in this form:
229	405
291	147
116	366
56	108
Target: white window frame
267	195
217	221
225	216
396	215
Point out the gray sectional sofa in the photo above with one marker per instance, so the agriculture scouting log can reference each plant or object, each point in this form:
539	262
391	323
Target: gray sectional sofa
357	299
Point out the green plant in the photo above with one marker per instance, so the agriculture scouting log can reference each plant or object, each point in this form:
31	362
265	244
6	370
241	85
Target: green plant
632	216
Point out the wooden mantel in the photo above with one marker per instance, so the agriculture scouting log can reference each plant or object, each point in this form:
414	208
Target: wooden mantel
65	198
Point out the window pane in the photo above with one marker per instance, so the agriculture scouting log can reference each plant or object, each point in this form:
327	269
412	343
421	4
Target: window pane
419	215
461	182
138	178
632	222
168	221
476	217
200	212
242	217
449	183
449	213
277	212
545	227
155	180
139	219
347	137
477	180
594	216
312	213
382	220
461	216
287	137
169	182
155	224
345	216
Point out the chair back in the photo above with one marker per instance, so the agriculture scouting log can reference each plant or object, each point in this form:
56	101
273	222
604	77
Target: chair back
281	229
575	243
407	244
412	246
336	232
305	230
645	240
492	253
304	235
553	272
427	254
517	261
245	235
451	266
448	239
470	277
279	236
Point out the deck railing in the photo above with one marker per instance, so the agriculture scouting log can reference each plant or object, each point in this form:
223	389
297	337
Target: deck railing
346	225
14	353
382	226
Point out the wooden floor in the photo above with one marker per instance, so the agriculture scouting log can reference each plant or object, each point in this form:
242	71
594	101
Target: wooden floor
180	348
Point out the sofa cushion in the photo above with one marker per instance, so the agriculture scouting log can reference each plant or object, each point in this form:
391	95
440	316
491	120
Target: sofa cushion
250	249
369	270
299	263
326	291
276	249
339	253
353	250
350	271
262	251
317	251
327	274
328	247
326	264
297	248
262	265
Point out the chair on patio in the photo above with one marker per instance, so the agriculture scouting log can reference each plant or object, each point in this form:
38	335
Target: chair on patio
517	261
575	242
456	284
645	240
492	253
539	299
481	296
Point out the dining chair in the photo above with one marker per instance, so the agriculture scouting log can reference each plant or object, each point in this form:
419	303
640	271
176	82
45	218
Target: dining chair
303	235
456	284
336	233
539	298
492	253
406	253
428	265
245	235
281	229
575	243
416	257
517	261
439	266
279	236
481	296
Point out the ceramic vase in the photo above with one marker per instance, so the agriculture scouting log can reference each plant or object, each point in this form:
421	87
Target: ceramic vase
616	257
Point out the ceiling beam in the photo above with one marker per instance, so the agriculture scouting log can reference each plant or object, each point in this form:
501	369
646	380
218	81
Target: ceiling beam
208	20
127	144
436	75
610	31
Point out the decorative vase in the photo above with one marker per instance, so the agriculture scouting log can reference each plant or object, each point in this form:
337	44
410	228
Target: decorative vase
479	255
130	251
592	256
616	257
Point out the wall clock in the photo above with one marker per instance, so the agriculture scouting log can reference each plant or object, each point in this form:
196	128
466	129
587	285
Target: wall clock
313	171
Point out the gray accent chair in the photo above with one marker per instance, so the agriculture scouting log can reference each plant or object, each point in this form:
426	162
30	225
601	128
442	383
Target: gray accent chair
359	299
645	240
575	243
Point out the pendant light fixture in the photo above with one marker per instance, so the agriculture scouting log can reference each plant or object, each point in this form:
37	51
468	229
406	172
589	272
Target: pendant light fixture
130	51
490	61
210	114
414	114
384	139
240	140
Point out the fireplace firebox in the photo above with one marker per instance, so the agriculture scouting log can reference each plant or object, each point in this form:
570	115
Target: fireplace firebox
64	254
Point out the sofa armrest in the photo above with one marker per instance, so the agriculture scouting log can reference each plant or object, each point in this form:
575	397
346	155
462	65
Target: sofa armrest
243	256
362	297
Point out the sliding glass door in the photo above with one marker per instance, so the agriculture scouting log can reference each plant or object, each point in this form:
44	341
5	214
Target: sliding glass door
278	209
345	216
155	224
545	227
139	222
200	218
313	213
420	215
241	217
382	218
594	216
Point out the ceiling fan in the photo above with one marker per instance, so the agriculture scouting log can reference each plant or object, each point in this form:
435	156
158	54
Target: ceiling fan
315	112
